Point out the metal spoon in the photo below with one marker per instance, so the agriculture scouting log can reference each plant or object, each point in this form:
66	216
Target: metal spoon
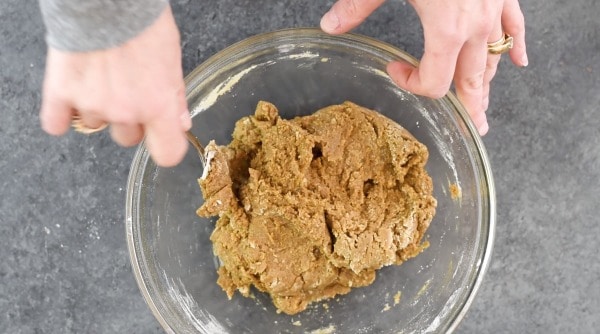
199	148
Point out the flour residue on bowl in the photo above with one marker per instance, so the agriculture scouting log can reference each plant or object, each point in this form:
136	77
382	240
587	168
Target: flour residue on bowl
209	156
386	307
441	143
373	70
423	289
227	85
433	326
202	321
302	55
400	93
224	87
325	330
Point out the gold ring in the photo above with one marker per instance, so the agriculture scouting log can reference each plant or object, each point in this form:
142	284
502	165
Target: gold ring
78	126
501	46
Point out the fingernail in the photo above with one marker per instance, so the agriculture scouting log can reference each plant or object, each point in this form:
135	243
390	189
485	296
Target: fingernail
524	60
330	22
186	120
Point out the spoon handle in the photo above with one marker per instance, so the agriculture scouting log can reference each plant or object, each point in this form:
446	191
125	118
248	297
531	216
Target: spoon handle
196	143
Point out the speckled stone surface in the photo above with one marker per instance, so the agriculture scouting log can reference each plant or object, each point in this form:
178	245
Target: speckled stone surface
64	266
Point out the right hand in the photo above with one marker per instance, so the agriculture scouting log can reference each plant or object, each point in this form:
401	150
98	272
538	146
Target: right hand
137	88
456	34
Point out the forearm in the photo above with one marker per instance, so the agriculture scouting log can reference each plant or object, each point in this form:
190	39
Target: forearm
85	25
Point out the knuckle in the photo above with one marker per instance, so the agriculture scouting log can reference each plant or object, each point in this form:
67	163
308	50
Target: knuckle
450	38
472	82
483	29
93	105
122	113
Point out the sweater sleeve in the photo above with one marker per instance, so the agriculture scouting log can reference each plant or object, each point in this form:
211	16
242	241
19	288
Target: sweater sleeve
86	25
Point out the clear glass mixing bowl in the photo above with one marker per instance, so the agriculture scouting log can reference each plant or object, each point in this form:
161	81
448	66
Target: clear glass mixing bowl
300	71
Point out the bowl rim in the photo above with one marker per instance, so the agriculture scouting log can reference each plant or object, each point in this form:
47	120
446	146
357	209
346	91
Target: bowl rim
141	158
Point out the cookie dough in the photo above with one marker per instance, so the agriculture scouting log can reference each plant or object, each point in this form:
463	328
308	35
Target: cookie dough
311	207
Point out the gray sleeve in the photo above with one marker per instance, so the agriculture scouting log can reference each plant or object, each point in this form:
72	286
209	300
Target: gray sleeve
86	25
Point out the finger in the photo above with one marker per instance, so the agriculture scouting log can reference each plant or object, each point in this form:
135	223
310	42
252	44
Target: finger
513	24
165	139
125	134
55	115
347	14
434	74
491	66
469	79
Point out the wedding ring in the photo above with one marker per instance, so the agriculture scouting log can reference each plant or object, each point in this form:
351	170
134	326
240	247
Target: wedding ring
78	126
501	46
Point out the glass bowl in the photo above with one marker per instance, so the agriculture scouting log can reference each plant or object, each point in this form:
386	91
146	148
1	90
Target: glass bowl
300	71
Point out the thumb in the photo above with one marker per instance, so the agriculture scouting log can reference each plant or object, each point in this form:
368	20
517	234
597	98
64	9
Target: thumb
345	15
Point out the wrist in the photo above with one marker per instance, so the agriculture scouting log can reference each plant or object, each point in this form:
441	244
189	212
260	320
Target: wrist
78	26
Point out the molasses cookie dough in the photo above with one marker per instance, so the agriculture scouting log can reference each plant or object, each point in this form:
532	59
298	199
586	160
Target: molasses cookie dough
311	207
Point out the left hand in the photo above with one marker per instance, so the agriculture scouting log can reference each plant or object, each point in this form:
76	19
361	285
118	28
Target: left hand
137	87
456	36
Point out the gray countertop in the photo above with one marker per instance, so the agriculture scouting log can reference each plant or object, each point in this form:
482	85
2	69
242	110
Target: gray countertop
64	264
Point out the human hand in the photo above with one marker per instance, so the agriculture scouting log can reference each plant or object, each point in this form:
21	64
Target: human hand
456	35
138	88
